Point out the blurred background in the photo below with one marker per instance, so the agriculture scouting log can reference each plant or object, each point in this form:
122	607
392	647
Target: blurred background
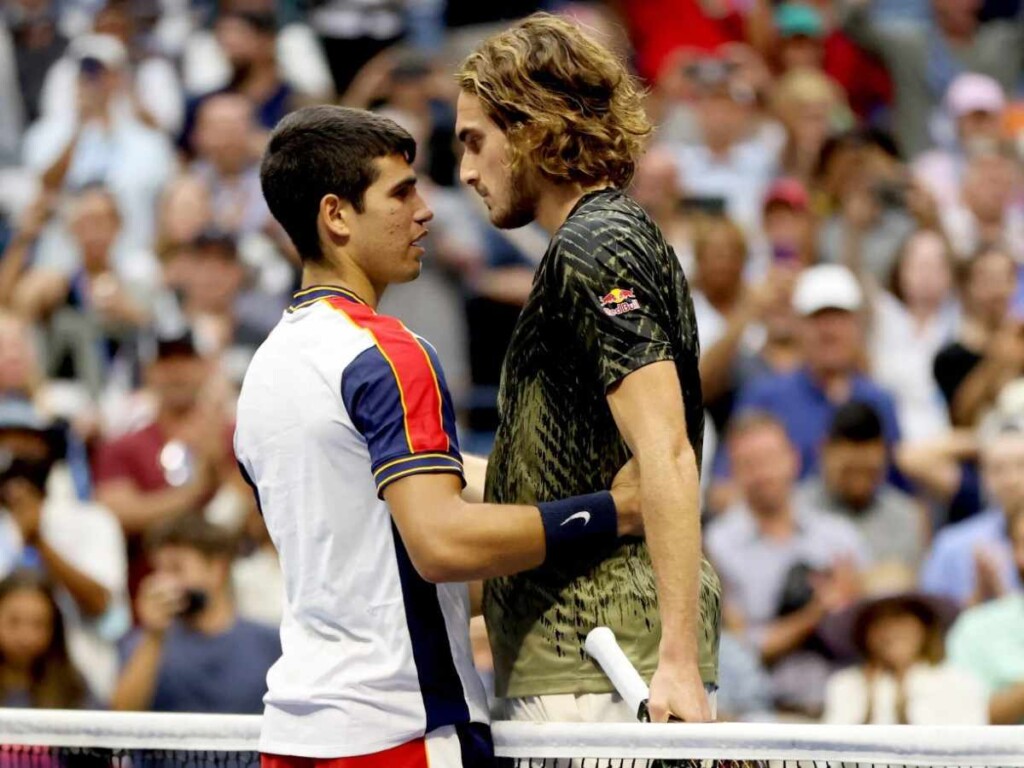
842	181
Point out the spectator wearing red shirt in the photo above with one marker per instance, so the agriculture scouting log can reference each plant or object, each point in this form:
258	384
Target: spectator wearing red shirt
174	466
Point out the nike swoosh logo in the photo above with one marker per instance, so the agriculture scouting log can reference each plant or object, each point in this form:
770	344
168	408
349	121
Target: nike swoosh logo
584	516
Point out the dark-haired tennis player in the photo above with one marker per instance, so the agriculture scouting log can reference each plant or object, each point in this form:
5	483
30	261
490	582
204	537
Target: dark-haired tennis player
346	432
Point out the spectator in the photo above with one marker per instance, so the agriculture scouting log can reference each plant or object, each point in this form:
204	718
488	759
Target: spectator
352	32
93	314
971	562
829	302
192	653
11	107
784	567
78	545
658	189
38	44
976	104
226	162
174	466
911	322
789	228
985	642
99	143
872	215
732	160
152	91
924	59
811	107
990	213
852	484
228	318
989	350
902	677
35	669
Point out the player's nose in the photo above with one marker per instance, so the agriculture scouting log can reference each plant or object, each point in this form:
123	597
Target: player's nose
423	213
468	174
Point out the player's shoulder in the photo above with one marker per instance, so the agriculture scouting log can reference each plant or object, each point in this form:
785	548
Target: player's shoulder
601	218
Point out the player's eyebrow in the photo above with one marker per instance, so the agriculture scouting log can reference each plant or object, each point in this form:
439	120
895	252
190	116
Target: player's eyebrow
403	185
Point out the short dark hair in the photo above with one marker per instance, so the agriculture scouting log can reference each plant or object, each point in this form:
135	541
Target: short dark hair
325	150
855	422
192	531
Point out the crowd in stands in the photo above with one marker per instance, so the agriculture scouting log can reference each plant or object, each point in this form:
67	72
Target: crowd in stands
842	181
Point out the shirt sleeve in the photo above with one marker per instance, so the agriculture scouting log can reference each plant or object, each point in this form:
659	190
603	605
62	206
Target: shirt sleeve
609	288
397	398
111	463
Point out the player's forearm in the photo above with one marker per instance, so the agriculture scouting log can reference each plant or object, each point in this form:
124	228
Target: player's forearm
669	490
483	541
137	684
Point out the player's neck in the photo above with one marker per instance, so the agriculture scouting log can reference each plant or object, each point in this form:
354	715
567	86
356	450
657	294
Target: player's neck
557	201
353	280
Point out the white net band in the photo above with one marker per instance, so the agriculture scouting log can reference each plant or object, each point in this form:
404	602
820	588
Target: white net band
785	743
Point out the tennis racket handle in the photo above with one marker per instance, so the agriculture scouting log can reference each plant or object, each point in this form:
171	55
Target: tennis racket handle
604	649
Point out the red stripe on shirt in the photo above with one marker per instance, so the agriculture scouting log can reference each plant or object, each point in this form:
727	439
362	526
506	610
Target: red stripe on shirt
417	381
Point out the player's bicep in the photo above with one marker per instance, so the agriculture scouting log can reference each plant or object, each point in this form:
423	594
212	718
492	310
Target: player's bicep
647	406
422	507
400	404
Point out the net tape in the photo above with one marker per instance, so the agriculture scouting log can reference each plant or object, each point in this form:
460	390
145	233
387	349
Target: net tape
230	740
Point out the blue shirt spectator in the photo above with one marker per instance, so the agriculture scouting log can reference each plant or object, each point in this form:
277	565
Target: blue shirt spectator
972	561
225	672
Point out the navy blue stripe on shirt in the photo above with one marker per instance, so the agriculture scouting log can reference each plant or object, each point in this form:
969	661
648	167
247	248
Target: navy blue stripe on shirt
444	698
476	745
251	484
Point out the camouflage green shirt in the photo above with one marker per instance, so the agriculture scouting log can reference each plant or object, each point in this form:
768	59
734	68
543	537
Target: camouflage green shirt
609	297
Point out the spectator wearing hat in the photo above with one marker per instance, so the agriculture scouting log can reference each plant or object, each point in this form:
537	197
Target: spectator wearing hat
78	545
192	652
971	561
830	302
975	103
100	142
901	677
176	465
925	59
988	352
985	641
913	318
853	485
784	566
802	35
152	91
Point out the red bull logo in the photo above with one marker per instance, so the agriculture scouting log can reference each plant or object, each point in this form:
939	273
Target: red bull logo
619	301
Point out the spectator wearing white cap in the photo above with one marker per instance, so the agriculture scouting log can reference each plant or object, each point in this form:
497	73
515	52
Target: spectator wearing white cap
102	143
830	301
153	94
975	103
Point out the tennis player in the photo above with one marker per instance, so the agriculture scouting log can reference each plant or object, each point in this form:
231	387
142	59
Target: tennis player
345	431
602	364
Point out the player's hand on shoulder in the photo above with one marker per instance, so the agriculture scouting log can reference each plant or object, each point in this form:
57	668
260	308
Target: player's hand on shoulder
626	492
160	600
677	691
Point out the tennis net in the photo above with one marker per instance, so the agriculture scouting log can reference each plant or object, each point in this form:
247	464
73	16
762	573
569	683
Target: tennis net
63	739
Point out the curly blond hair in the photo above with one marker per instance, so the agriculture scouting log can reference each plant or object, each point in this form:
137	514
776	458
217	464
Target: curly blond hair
567	104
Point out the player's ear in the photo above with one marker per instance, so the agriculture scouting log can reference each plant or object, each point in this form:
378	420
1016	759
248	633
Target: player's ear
335	217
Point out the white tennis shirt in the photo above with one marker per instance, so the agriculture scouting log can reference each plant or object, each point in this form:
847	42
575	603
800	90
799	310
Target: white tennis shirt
337	403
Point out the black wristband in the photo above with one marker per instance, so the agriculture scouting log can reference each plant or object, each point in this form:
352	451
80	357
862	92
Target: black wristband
579	523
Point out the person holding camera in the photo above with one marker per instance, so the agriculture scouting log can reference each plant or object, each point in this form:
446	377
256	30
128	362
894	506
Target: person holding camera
192	652
77	545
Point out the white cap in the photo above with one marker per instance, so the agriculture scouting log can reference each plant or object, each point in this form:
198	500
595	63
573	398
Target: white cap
827	286
971	92
106	49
